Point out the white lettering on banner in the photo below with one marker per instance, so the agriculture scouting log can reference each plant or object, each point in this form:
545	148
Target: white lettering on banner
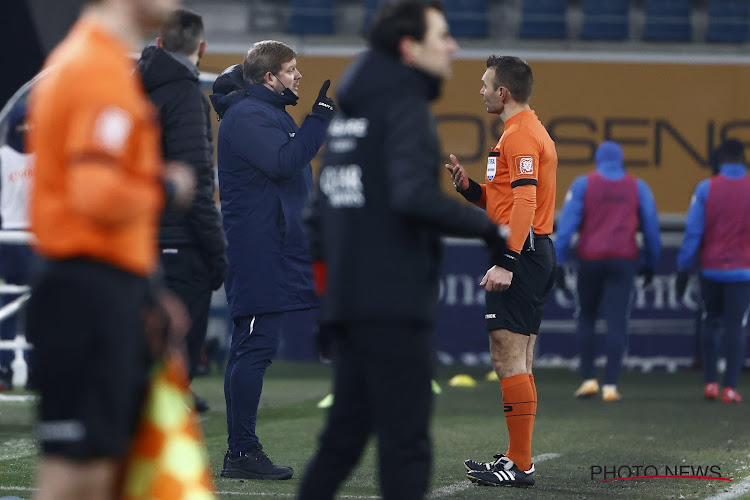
461	290
342	184
464	290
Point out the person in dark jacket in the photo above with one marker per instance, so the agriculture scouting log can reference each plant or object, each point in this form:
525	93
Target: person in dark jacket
192	243
376	223
265	180
607	207
717	230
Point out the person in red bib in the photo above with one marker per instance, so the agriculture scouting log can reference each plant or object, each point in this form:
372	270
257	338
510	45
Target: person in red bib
717	231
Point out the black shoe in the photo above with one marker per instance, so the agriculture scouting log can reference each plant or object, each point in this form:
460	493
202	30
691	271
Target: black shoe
254	465
506	473
201	405
483	466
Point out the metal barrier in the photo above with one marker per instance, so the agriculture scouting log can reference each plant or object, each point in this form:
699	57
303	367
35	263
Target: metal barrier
19	344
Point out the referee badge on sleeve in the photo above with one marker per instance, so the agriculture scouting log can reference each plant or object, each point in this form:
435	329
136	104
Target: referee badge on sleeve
491	167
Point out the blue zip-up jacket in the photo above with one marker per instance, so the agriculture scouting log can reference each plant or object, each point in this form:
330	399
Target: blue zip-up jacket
695	227
265	179
610	166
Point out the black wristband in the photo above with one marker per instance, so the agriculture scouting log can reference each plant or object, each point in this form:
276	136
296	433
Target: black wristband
509	260
473	194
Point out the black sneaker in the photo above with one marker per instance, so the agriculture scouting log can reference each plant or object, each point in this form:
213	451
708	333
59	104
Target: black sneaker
506	473
254	465
483	466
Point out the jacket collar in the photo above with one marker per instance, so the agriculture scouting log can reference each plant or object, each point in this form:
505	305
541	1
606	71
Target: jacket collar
260	91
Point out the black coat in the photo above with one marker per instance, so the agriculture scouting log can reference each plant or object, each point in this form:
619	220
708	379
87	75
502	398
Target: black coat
379	211
174	89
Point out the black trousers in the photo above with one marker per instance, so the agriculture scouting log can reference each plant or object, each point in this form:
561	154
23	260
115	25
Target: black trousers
186	274
382	376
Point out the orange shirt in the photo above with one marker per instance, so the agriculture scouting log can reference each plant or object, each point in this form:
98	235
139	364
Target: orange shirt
97	190
521	179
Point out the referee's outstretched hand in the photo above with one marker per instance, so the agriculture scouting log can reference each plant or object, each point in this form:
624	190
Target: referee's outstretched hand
458	174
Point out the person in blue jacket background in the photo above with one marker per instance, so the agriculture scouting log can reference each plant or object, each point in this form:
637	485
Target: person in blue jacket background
717	230
265	179
607	207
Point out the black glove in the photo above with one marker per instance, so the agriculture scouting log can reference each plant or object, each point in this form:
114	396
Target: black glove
560	278
681	283
647	274
218	271
323	342
324	106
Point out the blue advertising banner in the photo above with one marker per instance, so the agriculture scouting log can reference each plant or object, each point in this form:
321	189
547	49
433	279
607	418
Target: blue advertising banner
662	329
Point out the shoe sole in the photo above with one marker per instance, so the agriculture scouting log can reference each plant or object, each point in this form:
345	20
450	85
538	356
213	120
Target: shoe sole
241	474
482	482
586	395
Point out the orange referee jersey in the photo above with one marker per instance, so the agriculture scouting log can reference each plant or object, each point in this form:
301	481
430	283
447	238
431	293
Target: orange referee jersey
97	190
521	179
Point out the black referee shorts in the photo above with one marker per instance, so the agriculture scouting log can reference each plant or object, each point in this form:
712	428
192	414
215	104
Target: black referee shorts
520	307
91	361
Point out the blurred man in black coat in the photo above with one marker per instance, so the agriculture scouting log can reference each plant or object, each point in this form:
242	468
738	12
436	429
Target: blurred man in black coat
192	244
375	226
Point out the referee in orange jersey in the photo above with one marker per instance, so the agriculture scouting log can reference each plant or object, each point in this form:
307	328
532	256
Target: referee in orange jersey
99	187
519	191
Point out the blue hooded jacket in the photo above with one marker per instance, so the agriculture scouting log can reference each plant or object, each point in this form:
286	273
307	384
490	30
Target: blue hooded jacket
265	179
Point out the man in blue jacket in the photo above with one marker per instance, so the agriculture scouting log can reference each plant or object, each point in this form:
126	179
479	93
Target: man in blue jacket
264	182
607	207
717	229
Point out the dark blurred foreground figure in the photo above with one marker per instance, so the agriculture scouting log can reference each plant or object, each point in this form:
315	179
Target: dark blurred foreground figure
192	243
376	224
99	187
717	231
607	208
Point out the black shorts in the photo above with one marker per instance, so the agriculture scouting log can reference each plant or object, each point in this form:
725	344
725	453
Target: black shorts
91	361
520	307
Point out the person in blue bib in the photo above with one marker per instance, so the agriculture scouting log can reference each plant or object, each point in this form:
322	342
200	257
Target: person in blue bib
607	207
717	231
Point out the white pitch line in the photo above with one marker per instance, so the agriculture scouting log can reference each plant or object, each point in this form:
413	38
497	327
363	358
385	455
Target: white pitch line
6	398
443	492
735	491
289	495
238	493
448	491
16	488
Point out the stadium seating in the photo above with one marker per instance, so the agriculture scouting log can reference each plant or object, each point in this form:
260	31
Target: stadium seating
543	19
311	17
605	20
468	18
728	21
668	21
371	6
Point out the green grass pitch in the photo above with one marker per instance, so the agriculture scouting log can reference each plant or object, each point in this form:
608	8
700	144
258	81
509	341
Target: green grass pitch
661	421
